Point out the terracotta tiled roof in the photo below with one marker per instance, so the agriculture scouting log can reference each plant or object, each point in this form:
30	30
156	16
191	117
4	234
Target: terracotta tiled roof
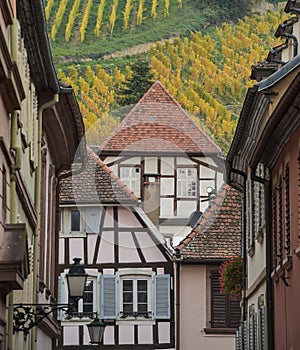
96	184
159	123
218	232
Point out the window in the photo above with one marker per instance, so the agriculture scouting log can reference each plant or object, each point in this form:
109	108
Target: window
85	306
135	298
281	216
130	175
225	311
186	182
138	296
75	220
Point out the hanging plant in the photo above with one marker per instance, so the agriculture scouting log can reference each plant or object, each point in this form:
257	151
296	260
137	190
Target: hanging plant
231	277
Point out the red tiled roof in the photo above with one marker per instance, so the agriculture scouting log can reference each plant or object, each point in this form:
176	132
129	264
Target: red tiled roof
218	232
95	184
159	123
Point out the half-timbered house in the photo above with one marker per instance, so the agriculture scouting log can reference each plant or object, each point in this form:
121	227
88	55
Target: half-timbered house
129	264
166	159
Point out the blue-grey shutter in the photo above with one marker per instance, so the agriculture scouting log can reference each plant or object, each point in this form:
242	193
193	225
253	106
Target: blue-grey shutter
245	334
59	297
108	297
162	297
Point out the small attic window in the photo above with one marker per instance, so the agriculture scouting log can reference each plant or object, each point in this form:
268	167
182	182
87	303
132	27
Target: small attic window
194	218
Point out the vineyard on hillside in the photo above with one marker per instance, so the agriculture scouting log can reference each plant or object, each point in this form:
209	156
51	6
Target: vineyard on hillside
100	17
207	74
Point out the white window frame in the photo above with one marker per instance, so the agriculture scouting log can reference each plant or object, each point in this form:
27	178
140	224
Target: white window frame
186	183
133	179
135	276
66	218
93	275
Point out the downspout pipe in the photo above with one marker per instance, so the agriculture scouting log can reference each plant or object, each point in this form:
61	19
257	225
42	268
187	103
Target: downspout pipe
37	203
177	260
244	239
269	283
295	42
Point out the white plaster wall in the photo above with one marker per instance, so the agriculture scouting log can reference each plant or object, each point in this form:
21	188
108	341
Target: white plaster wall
193	313
127	249
151	165
257	262
167	166
44	342
127	219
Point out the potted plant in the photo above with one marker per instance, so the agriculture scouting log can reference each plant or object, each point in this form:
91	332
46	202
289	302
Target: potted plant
231	277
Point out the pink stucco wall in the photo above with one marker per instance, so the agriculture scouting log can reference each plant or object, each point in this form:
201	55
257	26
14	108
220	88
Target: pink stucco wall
193	308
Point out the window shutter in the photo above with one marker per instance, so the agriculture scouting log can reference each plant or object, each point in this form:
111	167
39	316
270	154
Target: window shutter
234	313
218	302
238	339
108	297
245	334
162	297
59	297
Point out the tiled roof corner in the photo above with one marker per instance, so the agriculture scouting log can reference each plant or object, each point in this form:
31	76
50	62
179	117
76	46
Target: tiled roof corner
158	123
217	234
95	184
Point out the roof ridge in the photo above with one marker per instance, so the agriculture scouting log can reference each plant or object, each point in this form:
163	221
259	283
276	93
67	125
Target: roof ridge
108	171
129	121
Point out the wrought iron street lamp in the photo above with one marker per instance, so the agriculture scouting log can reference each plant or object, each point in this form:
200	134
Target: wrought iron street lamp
27	316
76	279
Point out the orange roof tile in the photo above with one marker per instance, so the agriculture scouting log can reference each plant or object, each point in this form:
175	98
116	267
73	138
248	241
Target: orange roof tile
217	234
159	123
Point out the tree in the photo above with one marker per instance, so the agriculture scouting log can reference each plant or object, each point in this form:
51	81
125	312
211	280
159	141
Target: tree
138	84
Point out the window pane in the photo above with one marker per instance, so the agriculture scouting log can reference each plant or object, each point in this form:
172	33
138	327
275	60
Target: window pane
127	285
142	307
127	308
75	220
142	285
88	297
142	296
128	296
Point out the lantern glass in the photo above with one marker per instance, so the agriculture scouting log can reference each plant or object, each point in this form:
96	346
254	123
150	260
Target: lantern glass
96	331
76	279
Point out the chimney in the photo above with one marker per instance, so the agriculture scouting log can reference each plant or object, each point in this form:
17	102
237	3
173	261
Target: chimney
151	200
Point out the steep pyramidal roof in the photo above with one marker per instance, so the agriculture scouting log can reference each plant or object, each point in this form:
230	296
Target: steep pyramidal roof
158	123
217	236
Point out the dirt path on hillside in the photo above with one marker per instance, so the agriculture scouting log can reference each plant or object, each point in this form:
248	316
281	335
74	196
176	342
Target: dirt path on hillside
128	51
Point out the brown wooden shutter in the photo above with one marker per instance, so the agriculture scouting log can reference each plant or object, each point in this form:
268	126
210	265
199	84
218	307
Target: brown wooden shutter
225	311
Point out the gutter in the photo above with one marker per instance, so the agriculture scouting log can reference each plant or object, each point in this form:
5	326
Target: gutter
244	238
279	75
37	204
178	259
